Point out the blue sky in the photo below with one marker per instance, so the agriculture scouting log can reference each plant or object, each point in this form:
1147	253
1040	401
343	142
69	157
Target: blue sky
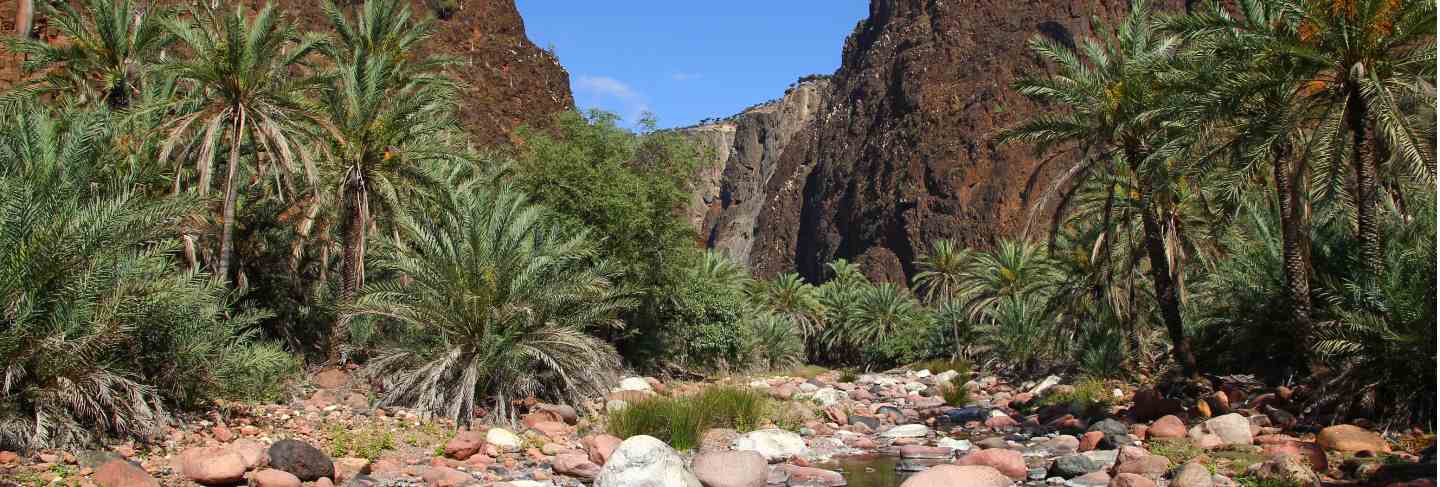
686	60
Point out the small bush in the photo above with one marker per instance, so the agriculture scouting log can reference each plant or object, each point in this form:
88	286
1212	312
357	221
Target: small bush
1271	482
936	366
955	393
366	442
682	421
848	376
1179	450
1089	398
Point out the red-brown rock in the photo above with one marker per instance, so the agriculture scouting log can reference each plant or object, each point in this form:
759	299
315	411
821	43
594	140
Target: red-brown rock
954	475
464	444
120	473
1008	462
1131	480
274	478
1168	426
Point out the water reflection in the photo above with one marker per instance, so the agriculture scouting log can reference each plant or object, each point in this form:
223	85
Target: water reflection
870	470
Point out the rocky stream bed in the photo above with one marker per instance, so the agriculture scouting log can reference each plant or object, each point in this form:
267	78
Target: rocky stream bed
876	430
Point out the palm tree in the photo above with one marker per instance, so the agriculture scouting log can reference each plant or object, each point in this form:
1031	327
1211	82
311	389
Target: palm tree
1110	87
940	270
1012	268
501	304
774	342
24	17
718	269
883	310
242	94
110	50
101	332
386	114
789	296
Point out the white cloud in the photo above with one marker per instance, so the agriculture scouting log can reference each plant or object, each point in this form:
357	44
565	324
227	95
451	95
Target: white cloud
685	76
633	102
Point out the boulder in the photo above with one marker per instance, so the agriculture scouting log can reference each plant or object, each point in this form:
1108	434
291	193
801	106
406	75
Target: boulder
775	444
730	469
503	439
1193	474
274	478
252	451
1090	440
868	421
120	473
349	467
1310	453
446	477
1168	426
1231	429
829	396
1074	465
1150	405
645	461
566	413
798	476
1351	438
575	465
1286	468
906	431
926	452
600	447
1131	480
1116	433
299	458
1008	462
1150	466
212	465
465	444
1060	445
1092	479
958	475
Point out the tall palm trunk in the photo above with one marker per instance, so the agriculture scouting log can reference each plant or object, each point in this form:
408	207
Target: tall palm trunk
1295	240
1166	295
24	17
227	210
355	201
1367	231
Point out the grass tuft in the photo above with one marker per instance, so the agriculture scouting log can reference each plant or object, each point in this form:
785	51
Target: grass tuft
1089	398
1179	450
365	442
682	421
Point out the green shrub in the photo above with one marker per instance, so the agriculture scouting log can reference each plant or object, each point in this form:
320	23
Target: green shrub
682	421
365	442
1179	450
1089	398
848	376
955	393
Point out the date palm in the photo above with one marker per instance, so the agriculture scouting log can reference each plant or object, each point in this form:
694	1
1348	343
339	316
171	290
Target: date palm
501	304
941	270
1110	88
243	98
790	297
386	115
111	48
1366	56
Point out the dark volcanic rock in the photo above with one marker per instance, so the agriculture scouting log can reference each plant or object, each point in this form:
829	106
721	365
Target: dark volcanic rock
299	458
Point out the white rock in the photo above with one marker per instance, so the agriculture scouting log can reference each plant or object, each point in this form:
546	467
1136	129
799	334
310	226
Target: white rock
635	384
923	373
906	431
808	387
1233	429
915	386
774	444
829	396
503	439
645	461
1045	385
945	377
954	444
616	405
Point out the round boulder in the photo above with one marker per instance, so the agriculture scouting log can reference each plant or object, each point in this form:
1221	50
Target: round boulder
299	458
730	469
953	475
645	461
1351	438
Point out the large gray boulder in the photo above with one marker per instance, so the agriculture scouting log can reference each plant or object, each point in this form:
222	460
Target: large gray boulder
645	461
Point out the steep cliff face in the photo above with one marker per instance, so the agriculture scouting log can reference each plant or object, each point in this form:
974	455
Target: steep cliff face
508	80
747	147
902	152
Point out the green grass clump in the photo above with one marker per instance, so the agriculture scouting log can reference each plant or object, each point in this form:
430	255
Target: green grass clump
848	376
1180	451
1088	399
1271	482
682	421
936	366
365	442
955	393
